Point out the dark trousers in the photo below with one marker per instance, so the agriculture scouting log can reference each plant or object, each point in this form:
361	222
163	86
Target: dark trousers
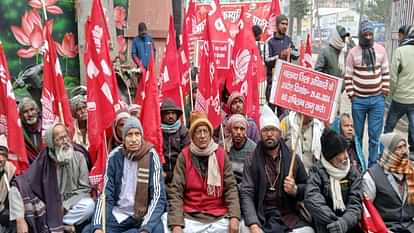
396	111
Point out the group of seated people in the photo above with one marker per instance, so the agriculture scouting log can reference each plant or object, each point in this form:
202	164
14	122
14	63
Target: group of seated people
241	184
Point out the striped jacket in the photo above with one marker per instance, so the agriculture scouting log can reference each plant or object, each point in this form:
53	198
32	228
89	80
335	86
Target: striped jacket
362	82
157	197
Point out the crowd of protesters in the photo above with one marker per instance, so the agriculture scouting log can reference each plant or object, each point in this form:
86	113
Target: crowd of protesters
242	180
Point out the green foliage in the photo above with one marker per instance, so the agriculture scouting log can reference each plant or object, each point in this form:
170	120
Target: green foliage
379	10
299	8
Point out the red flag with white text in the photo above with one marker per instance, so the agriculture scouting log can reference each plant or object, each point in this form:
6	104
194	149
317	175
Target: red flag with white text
55	102
184	50
169	71
102	89
150	113
10	124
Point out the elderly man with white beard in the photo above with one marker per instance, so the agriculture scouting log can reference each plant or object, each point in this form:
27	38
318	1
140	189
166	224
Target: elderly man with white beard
53	195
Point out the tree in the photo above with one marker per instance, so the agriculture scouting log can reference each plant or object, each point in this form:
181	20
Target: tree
298	9
378	10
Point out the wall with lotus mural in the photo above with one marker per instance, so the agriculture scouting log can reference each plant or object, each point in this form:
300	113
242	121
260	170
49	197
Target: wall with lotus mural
22	34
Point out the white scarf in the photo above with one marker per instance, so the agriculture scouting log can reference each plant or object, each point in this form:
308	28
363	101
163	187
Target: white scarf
335	176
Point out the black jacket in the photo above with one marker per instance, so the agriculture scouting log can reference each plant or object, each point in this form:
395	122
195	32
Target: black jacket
252	193
318	199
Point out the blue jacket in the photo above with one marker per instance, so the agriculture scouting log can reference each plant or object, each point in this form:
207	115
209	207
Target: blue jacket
336	126
156	192
142	48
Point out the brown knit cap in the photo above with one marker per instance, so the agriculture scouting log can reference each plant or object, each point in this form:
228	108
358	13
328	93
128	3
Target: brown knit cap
197	119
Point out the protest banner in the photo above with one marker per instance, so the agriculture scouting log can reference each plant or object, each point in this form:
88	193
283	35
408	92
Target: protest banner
305	91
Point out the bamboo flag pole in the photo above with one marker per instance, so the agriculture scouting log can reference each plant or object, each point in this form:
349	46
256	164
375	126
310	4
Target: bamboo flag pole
298	137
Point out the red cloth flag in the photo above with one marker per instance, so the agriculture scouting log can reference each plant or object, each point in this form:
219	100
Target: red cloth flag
170	72
10	124
55	102
150	114
270	27
247	67
208	98
184	51
140	89
305	56
252	104
103	98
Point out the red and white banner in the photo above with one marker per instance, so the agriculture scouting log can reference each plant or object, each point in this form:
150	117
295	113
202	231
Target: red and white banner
10	124
305	91
103	98
55	102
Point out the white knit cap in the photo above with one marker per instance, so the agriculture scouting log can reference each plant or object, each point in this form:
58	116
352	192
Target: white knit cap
3	141
268	118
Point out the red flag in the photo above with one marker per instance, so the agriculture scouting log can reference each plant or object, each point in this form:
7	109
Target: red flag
10	124
184	51
247	67
208	98
270	27
55	102
252	104
170	72
305	56
150	114
103	99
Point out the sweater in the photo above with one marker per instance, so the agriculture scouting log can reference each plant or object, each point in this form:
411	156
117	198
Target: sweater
157	197
402	75
176	213
359	81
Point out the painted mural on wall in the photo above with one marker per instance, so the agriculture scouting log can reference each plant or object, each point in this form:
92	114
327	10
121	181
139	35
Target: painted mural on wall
22	34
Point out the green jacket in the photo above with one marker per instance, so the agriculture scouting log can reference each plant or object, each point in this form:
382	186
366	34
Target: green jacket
328	62
402	75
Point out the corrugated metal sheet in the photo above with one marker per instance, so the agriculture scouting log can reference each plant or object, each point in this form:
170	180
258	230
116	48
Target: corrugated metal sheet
402	14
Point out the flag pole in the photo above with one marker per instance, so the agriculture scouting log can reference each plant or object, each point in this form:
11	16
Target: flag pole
191	90
44	9
103	195
182	104
294	149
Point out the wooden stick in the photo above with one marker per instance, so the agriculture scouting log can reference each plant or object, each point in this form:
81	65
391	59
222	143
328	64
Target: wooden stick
222	135
293	159
182	104
191	91
103	195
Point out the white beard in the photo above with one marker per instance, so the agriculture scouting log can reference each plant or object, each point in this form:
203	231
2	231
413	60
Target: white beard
64	153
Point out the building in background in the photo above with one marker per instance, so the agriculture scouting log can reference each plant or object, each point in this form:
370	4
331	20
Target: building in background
402	14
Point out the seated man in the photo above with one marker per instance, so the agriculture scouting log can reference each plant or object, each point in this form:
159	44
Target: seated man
116	139
134	192
269	197
333	192
238	145
175	136
390	185
203	194
345	126
7	172
32	127
54	190
309	146
80	117
236	106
